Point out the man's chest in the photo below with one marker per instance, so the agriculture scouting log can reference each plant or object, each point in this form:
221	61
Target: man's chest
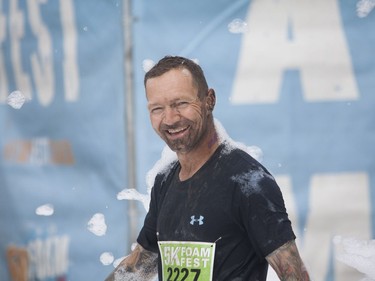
196	213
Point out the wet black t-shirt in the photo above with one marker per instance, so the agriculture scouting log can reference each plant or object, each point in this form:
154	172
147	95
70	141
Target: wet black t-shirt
233	201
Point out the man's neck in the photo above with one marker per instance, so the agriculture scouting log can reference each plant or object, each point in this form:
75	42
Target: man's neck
193	160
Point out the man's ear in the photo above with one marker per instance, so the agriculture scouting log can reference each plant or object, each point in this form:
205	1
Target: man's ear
211	100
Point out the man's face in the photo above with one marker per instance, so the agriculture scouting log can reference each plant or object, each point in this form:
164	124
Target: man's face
177	114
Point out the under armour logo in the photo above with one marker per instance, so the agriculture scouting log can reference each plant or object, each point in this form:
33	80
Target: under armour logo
194	220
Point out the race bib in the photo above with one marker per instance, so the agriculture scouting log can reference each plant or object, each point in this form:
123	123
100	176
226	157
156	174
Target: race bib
187	261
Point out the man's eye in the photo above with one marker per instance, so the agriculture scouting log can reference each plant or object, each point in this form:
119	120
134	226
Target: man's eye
156	110
182	104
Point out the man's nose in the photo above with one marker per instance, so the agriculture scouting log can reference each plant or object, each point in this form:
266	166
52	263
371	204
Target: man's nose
171	115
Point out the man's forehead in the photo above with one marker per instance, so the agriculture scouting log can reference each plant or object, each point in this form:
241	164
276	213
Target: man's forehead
186	72
172	77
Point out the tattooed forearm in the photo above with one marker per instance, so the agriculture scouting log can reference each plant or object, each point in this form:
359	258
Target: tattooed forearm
288	264
139	265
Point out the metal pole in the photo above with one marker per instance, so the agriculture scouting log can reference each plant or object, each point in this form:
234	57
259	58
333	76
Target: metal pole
129	118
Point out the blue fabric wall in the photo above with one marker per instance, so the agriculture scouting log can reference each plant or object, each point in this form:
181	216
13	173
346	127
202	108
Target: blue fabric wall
295	78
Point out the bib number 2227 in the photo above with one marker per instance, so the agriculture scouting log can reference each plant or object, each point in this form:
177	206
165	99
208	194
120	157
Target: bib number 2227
177	274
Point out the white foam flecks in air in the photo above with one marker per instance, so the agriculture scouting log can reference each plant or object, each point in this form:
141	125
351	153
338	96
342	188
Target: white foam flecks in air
97	224
364	7
147	64
16	99
237	26
359	254
45	210
106	258
168	157
133	194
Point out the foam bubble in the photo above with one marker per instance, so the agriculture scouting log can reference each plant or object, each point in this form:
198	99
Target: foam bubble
97	224
147	64
133	194
364	7
45	210
237	26
16	99
106	258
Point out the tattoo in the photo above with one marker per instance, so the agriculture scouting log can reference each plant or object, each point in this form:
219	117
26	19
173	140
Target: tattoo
139	265
213	140
287	263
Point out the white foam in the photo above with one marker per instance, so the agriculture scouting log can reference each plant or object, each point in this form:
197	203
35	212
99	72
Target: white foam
253	150
45	210
237	26
16	99
357	253
133	194
147	64
168	157
106	258
97	224
364	7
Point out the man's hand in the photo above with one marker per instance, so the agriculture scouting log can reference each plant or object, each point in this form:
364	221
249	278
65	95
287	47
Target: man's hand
287	263
139	265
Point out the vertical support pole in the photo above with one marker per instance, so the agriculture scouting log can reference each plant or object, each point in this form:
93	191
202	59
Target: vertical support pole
129	118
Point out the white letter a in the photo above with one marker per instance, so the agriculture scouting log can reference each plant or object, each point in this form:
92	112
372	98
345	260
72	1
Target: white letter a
294	34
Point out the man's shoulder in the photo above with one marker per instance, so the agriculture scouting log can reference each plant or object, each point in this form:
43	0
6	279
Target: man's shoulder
236	154
238	161
164	174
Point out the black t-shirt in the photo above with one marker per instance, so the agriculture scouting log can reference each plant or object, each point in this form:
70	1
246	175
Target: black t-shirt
233	201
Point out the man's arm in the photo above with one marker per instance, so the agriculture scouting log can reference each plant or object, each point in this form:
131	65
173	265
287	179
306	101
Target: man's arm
139	265
287	263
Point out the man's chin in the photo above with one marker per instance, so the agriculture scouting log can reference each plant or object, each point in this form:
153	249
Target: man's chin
177	147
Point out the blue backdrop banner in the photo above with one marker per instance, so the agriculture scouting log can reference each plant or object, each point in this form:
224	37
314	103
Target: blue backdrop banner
63	149
294	78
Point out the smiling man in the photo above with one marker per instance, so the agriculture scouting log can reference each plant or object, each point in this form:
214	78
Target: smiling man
216	213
